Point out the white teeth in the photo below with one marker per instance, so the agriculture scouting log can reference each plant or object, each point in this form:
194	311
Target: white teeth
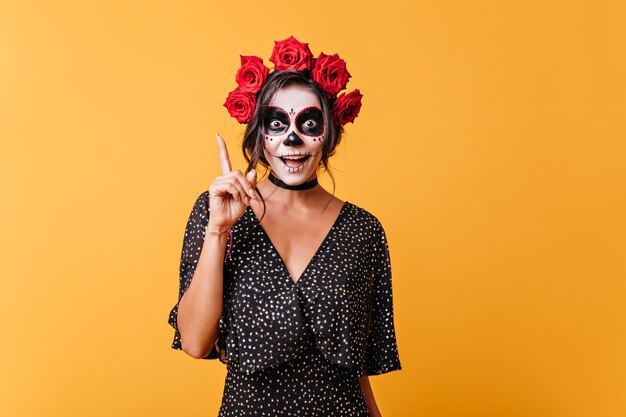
297	168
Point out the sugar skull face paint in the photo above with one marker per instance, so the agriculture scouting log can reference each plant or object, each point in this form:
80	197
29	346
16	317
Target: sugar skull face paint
308	122
294	133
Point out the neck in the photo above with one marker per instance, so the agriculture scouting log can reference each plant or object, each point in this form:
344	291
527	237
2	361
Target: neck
286	197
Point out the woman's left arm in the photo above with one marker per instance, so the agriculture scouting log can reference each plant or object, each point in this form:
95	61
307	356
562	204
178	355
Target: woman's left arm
369	396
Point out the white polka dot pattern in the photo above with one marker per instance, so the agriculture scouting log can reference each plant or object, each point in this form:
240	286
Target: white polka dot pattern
339	314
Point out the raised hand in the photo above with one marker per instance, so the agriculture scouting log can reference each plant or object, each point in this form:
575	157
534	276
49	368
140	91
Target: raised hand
229	193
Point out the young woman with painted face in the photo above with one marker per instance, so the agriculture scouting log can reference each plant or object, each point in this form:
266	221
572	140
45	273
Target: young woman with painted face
293	312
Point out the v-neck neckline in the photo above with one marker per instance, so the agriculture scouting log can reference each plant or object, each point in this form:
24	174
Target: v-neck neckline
343	208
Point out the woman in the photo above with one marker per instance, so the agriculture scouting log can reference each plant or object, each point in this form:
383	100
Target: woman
286	284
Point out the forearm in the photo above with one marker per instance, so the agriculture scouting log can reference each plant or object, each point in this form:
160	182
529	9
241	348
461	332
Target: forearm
366	388
201	306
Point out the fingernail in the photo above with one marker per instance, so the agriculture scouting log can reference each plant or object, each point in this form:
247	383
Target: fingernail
251	192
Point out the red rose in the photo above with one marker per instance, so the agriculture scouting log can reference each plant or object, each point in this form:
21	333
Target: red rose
291	54
347	106
252	73
330	73
240	105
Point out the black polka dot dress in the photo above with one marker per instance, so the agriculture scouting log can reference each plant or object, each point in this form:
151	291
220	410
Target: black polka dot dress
298	349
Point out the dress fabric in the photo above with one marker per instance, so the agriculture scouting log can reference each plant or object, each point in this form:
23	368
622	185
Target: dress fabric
299	348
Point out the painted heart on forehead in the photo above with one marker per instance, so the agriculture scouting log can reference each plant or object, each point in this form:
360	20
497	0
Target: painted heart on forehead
293	131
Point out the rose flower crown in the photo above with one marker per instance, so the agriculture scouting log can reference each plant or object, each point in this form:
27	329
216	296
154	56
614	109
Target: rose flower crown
328	71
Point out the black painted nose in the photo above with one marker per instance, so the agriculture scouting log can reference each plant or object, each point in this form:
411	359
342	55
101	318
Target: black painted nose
293	140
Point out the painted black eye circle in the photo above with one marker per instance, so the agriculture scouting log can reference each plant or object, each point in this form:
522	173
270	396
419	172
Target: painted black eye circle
276	124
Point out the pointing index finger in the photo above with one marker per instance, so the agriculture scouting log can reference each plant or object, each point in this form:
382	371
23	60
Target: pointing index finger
224	160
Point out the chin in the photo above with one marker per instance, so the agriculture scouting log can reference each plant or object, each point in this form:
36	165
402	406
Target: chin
292	178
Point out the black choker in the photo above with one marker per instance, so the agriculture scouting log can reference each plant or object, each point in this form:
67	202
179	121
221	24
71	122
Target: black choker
303	186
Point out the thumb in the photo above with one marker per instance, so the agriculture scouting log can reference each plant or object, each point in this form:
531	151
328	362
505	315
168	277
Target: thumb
251	176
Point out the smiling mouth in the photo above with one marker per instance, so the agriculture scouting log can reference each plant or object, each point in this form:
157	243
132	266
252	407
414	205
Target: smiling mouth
295	161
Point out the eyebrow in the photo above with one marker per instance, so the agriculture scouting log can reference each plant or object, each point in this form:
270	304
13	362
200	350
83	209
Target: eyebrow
278	109
307	110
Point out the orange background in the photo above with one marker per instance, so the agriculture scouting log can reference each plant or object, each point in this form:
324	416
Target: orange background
489	144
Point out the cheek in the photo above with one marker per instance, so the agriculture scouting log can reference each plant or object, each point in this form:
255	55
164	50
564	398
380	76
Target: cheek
273	140
272	145
317	139
268	154
269	144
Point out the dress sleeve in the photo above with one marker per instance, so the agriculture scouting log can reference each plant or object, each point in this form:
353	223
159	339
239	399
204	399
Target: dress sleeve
192	246
382	351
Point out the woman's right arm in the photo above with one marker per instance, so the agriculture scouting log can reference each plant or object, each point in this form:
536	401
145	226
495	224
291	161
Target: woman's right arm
201	305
